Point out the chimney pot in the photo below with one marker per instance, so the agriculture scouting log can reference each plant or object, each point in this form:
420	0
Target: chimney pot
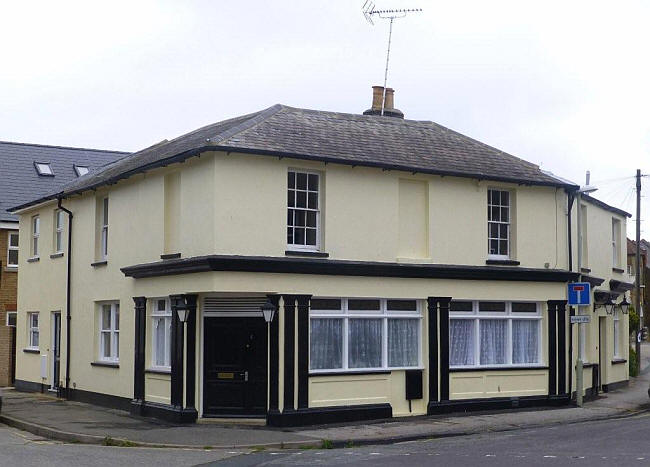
389	103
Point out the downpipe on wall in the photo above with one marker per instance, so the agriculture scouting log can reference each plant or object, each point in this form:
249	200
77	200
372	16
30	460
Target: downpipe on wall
67	305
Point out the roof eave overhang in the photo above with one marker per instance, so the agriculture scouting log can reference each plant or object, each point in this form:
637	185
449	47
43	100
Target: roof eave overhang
182	156
271	264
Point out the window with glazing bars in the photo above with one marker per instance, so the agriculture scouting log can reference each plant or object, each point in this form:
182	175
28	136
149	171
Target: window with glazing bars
498	205
303	210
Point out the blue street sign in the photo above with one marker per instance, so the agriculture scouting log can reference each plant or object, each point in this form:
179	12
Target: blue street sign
579	293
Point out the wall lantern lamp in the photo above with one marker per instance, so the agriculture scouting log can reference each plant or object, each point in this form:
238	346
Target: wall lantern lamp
624	305
268	310
182	310
183	314
608	305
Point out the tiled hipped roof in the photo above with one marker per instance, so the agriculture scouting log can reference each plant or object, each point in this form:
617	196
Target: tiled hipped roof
364	140
19	181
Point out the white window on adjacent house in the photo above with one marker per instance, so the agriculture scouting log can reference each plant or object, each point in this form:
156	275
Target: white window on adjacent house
499	218
80	170
617	337
162	333
109	332
616	243
11	318
59	220
12	249
44	169
494	333
36	232
104	232
349	334
303	210
582	344
32	323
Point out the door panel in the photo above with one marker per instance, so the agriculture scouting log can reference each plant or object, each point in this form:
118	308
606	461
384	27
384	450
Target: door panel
56	350
235	366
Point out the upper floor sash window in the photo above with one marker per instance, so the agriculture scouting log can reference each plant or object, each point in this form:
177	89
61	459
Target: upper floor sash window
499	218
303	210
12	249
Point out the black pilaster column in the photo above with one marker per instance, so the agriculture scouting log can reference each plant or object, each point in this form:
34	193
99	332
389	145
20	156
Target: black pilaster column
289	350
561	347
552	343
303	350
190	371
443	310
139	362
274	355
432	309
177	352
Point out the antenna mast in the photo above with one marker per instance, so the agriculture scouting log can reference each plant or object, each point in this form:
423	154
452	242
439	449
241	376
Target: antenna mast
369	11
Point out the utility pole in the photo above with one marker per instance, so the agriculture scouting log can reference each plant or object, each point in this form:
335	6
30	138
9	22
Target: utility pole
637	298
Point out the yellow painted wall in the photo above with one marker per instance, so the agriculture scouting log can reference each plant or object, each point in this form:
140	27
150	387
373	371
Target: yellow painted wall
236	204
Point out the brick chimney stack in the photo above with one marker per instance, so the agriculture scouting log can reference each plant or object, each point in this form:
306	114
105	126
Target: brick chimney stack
389	103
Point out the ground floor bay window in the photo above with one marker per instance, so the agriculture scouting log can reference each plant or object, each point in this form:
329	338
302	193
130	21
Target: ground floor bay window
348	334
494	333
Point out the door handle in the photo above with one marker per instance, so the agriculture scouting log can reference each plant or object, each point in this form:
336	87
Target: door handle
245	375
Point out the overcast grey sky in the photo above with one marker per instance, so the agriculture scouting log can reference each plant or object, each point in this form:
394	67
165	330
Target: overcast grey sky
561	84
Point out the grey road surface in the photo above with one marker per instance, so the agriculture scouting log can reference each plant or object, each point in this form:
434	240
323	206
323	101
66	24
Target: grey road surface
622	442
22	449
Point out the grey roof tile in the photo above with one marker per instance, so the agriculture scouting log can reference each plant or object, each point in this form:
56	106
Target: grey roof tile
387	142
19	181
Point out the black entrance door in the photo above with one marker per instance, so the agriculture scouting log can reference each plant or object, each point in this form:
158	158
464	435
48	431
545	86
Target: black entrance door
56	350
234	375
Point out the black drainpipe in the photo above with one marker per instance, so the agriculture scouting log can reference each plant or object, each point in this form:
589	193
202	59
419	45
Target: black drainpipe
67	306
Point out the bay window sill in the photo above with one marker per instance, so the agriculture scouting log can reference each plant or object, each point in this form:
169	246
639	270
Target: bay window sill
56	255
99	263
459	369
378	371
33	259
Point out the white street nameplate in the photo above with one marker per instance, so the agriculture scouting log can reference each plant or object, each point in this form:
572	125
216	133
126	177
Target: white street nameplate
580	319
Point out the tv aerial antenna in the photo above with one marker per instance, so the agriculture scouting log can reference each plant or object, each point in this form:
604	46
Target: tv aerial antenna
369	12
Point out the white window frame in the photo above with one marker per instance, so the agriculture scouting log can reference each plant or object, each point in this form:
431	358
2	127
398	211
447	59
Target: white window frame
36	233
158	316
81	170
617	334
616	248
10	234
112	333
44	169
508	224
15	315
345	315
104	231
33	330
58	230
582	343
508	315
305	247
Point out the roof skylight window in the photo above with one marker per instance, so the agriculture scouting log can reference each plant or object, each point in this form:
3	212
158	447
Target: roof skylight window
44	168
81	170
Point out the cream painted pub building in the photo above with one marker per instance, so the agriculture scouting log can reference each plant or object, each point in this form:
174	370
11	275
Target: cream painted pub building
410	270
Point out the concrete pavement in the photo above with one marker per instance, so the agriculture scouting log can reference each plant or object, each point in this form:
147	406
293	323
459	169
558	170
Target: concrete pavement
78	422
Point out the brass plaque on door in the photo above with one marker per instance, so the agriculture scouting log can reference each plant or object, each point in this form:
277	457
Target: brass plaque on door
226	375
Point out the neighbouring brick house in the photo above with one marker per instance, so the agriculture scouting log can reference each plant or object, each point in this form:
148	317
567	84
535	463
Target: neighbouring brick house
645	278
29	171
